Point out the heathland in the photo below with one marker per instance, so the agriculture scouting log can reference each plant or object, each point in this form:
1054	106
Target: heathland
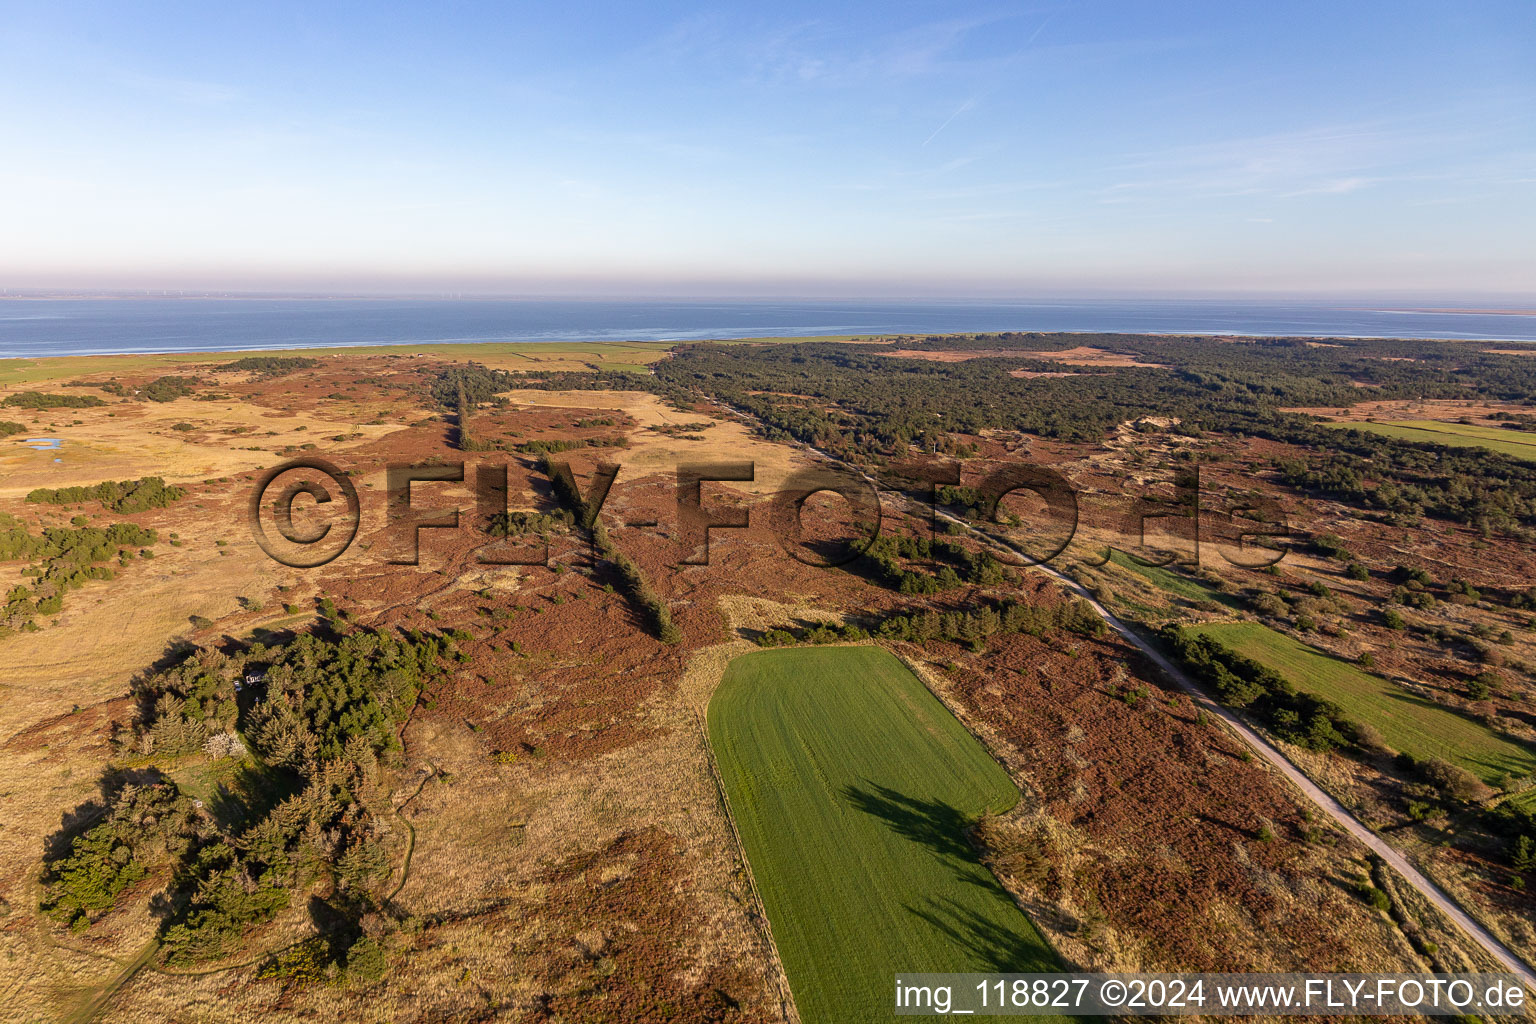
476	783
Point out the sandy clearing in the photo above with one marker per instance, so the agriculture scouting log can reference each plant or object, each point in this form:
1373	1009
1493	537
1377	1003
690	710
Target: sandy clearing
1082	355
940	356
1086	355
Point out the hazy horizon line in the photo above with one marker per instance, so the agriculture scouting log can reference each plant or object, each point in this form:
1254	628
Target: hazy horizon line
1418	296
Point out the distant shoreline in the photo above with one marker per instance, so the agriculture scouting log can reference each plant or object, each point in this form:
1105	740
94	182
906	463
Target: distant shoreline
44	328
1475	312
575	348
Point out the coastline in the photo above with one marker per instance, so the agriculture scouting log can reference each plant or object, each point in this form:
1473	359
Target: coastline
637	345
191	327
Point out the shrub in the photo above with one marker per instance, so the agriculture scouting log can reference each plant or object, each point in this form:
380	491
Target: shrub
168	389
776	638
1271	605
304	963
1454	781
366	961
1330	545
40	400
1374	897
1367	737
271	366
125	496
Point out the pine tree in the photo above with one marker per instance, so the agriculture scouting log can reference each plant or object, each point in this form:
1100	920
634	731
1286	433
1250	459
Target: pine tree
1524	857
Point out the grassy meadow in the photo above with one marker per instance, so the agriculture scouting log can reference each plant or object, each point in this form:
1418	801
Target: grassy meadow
1172	582
1515	443
852	787
1406	721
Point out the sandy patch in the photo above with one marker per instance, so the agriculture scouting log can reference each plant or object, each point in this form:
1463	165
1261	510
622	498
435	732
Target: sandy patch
939	356
1086	355
1082	355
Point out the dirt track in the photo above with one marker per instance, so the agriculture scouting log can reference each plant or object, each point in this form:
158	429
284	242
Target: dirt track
1428	889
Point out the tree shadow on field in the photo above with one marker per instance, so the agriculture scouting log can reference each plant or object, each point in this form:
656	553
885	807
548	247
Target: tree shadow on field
941	827
989	945
933	823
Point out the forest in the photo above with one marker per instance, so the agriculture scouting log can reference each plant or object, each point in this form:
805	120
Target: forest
869	406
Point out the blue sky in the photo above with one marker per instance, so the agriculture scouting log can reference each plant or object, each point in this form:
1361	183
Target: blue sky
869	149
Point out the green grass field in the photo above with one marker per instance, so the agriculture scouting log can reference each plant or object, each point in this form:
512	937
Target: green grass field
1172	582
1515	443
852	786
1407	722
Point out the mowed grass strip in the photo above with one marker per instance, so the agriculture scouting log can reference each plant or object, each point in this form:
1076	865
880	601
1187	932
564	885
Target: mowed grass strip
1407	722
852	787
1454	435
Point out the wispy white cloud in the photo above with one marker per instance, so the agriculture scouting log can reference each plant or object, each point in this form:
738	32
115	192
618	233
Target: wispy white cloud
1333	187
1327	160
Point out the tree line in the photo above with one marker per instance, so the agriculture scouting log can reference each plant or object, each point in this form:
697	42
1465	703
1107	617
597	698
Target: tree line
651	605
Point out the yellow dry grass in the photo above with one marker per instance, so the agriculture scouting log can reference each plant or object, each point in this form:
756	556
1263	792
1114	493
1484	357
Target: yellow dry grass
507	355
485	833
111	629
128	440
1448	410
651	452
